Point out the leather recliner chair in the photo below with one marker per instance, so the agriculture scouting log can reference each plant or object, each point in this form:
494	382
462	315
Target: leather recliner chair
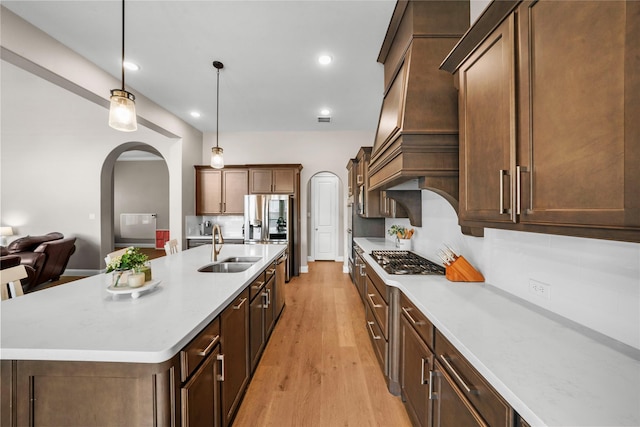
47	255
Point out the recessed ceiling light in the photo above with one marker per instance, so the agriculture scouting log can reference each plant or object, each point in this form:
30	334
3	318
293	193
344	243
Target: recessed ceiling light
325	112
131	66
325	59
195	114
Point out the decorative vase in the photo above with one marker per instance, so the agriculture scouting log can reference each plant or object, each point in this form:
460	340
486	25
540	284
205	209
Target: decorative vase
404	244
119	278
136	279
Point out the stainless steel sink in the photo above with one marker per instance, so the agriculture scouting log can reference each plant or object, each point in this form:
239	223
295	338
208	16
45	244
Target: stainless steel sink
250	259
225	267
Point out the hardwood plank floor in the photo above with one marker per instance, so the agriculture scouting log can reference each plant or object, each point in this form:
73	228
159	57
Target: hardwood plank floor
319	368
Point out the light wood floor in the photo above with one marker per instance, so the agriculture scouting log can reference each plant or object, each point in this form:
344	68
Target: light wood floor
319	368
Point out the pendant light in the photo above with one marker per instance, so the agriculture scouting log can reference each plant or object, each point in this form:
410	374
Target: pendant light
217	161
122	109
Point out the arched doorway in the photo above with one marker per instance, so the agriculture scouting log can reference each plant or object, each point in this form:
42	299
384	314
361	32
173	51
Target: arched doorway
325	219
134	186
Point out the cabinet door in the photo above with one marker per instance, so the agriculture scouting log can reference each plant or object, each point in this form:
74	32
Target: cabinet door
284	181
208	191
269	307
236	186
256	328
487	129
579	135
415	365
234	328
260	181
201	395
450	407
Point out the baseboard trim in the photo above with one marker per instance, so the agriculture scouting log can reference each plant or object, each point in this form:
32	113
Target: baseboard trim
304	269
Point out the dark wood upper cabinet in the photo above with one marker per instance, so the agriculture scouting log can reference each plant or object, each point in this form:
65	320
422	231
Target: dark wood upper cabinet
220	191
273	181
548	104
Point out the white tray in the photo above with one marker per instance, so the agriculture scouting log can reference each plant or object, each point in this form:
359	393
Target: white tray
135	292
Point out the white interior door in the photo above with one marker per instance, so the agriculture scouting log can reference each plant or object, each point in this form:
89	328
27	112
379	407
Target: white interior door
325	216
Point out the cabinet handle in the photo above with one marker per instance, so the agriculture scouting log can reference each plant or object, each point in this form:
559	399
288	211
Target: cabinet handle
224	206
422	380
373	303
453	371
432	394
220	357
206	351
267	298
502	174
519	171
237	307
373	335
221	208
406	312
361	273
271	271
258	285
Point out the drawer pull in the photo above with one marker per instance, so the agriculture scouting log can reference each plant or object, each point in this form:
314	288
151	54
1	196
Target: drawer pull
220	357
422	380
373	335
373	303
209	347
271	271
453	371
237	307
432	394
406	312
258	285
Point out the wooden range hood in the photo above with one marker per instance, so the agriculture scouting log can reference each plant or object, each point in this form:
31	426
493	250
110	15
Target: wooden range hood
417	134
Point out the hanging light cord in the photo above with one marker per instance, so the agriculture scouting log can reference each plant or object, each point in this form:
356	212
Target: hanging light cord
122	64
217	104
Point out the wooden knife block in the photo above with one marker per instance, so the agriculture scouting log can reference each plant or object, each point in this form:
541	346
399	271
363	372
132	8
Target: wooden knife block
461	271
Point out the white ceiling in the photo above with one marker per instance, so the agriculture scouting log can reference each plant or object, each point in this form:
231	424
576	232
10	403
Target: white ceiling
271	80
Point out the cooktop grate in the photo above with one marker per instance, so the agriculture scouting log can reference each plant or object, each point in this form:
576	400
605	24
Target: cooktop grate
405	262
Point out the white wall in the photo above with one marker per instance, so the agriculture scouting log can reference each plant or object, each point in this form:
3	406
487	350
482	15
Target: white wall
317	152
56	142
595	283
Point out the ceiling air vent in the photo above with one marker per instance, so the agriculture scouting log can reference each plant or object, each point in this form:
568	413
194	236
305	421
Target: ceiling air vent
324	119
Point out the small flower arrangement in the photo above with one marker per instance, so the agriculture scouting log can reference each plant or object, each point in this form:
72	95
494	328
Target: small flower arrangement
132	259
400	232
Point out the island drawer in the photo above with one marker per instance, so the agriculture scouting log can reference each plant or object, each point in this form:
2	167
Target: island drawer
419	321
487	401
378	306
198	349
257	285
270	272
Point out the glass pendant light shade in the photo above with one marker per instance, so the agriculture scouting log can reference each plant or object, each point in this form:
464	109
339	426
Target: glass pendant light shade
122	111
217	161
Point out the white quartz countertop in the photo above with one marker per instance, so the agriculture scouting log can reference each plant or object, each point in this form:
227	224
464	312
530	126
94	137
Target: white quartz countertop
81	321
551	371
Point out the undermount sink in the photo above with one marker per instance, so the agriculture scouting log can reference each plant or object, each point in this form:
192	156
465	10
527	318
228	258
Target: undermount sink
250	259
225	267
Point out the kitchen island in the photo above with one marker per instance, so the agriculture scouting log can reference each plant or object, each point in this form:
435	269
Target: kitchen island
551	371
60	338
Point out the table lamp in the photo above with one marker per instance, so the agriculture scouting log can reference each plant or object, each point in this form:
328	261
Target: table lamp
5	232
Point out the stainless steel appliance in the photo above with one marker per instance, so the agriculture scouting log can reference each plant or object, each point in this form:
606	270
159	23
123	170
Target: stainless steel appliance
268	218
405	262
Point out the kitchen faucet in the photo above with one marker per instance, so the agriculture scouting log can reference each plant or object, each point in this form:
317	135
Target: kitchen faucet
216	231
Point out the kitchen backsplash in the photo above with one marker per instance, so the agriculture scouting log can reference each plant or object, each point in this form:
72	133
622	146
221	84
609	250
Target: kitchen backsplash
595	283
231	225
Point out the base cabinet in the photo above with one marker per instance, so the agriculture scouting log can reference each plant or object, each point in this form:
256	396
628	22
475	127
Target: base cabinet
201	394
234	340
450	407
416	362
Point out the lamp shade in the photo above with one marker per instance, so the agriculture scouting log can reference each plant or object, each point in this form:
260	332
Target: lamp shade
6	231
217	161
122	111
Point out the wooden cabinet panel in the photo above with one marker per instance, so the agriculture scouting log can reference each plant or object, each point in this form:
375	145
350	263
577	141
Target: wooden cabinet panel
272	181
574	135
450	407
201	395
419	321
269	307
487	120
256	328
416	363
234	328
235	186
208	191
197	350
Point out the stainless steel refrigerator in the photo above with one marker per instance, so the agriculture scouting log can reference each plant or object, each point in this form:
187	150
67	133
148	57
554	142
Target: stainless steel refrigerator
268	218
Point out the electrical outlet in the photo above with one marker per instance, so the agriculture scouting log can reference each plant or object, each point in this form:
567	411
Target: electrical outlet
540	289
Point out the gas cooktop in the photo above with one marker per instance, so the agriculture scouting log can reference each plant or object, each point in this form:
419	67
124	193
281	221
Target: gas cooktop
405	262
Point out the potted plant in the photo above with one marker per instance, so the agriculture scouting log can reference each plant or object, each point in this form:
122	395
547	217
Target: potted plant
128	267
402	235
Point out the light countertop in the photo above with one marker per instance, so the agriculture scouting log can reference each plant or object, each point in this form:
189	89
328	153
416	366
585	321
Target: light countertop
550	370
81	321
